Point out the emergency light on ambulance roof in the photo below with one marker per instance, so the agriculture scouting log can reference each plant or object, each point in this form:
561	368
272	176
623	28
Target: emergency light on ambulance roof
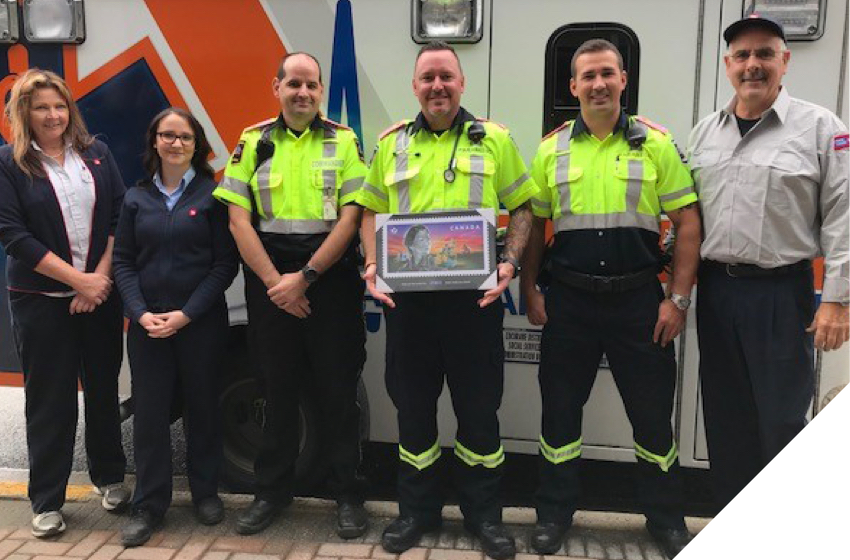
54	21
9	21
802	20
452	21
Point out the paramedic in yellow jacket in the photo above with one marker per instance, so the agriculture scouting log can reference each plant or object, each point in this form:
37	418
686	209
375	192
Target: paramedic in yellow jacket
605	178
290	186
447	159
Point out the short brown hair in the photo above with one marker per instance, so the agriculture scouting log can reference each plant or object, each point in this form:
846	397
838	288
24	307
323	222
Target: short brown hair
281	73
200	158
592	46
437	46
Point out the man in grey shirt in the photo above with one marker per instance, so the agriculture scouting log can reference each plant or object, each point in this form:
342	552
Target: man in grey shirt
771	173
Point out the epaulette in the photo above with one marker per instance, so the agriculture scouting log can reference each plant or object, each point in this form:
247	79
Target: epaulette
500	125
651	124
260	124
557	130
392	129
335	124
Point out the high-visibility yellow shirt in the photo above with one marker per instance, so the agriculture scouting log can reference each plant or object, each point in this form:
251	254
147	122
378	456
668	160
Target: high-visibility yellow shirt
408	170
587	183
301	188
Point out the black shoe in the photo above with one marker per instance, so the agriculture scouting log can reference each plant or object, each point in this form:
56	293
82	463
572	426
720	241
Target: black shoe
496	541
351	520
547	538
139	529
404	533
670	541
257	516
210	510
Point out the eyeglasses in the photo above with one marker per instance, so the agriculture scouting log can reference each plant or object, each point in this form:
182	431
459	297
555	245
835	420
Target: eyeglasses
170	137
764	54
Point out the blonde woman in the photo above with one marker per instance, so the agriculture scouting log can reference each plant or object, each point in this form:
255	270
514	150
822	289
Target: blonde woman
60	196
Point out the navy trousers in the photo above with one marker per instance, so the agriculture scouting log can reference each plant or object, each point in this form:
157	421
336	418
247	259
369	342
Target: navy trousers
189	363
434	338
756	370
56	349
581	326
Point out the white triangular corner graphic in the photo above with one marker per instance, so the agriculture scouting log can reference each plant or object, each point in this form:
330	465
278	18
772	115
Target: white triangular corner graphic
380	220
487	214
797	508
491	281
382	286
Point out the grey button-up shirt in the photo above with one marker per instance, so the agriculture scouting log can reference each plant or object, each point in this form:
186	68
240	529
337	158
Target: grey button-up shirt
779	194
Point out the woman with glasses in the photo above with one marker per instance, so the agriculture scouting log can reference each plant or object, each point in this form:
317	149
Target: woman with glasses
174	258
60	194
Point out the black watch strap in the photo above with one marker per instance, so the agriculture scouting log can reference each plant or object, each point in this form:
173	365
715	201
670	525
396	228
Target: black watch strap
310	274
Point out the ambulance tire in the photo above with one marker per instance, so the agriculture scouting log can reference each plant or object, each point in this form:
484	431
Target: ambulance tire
241	411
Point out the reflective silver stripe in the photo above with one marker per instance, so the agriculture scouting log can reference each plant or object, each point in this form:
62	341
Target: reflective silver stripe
509	190
329	175
674	195
603	221
330	132
372	189
351	186
402	185
562	170
476	182
296	226
264	188
541	204
235	186
635	184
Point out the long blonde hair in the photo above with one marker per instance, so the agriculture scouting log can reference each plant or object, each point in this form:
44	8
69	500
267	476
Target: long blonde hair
18	115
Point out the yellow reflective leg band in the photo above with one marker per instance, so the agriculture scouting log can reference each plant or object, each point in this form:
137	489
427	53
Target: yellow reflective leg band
473	459
421	461
558	455
664	462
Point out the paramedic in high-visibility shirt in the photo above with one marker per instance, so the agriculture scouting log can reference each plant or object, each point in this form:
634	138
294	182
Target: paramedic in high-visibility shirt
290	186
433	163
771	171
605	179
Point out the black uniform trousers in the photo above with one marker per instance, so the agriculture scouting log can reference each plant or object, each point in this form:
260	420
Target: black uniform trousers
56	349
756	369
189	363
432	337
324	354
581	326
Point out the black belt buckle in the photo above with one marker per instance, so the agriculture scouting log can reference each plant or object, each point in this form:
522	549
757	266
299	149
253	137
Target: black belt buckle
603	284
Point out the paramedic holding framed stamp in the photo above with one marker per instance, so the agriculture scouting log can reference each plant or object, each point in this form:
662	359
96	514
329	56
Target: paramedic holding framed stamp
445	169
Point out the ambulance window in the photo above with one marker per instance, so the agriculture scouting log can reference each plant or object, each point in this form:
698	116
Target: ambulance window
559	104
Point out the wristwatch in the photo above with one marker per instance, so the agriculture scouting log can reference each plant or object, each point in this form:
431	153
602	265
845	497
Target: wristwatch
681	302
310	274
512	261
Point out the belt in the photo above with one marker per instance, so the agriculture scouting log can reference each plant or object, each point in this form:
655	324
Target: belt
754	271
604	284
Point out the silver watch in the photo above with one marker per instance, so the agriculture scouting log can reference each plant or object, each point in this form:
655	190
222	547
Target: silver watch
681	302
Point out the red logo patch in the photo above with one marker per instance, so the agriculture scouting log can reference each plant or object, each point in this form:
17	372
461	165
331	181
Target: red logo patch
193	212
841	142
97	162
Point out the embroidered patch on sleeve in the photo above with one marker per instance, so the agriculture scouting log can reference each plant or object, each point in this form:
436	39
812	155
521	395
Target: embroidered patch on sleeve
841	142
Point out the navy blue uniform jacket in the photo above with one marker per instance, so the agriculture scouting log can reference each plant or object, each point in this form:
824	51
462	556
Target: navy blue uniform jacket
183	259
31	222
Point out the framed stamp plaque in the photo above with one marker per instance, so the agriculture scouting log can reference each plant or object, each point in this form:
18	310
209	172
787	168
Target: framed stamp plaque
453	250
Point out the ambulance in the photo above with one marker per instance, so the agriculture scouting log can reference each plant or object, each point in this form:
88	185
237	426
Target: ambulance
125	60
